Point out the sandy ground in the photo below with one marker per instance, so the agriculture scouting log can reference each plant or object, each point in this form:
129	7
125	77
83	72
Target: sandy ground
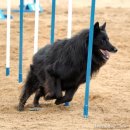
110	89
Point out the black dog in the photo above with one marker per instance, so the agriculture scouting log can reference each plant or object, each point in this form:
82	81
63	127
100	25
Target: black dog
62	66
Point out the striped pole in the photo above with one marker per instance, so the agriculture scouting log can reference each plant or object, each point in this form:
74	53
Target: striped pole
8	38
36	26
69	32
53	22
89	59
21	42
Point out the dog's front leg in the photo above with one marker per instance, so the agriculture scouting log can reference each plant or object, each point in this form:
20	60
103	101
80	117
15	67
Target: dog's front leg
68	96
58	89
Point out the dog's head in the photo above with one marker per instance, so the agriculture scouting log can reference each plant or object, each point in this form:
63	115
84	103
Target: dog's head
101	41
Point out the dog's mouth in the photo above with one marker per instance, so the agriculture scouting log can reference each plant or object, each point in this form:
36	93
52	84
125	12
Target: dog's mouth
105	54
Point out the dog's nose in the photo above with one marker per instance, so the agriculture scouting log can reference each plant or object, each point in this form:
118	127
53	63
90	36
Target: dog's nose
115	50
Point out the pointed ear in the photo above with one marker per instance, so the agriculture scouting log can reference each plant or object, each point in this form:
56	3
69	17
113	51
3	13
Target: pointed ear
103	26
96	28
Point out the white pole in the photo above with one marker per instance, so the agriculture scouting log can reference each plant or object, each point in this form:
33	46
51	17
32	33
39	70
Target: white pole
69	19
69	32
36	26
8	38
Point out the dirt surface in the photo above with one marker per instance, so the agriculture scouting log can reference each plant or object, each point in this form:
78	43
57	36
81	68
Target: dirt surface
109	106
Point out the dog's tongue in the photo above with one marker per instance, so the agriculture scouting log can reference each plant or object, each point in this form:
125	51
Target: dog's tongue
105	53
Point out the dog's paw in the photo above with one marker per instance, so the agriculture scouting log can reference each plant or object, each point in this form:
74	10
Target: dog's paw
20	108
36	105
58	101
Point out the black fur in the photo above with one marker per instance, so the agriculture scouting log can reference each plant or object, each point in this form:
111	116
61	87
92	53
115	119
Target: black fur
62	66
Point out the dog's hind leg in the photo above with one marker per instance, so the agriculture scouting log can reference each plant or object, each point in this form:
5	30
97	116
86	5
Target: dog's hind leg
49	86
24	97
68	96
31	85
39	93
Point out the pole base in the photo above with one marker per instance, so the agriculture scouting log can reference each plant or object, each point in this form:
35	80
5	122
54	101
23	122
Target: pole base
67	104
20	78
7	71
31	8
85	111
28	8
4	16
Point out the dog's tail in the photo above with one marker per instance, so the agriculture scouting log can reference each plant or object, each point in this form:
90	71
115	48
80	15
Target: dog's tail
31	83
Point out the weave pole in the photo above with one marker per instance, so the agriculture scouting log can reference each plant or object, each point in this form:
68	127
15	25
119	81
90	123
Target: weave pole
89	59
36	26
20	78
69	31
52	37
8	38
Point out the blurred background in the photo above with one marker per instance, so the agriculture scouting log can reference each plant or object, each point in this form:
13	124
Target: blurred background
76	3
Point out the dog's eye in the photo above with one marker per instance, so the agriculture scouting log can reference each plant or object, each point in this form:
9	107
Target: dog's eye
103	41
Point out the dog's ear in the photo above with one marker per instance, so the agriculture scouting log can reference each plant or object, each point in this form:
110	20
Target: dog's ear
96	28
103	27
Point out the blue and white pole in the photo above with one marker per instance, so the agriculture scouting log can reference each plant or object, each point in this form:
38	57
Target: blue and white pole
89	59
8	38
69	32
20	78
52	38
36	26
